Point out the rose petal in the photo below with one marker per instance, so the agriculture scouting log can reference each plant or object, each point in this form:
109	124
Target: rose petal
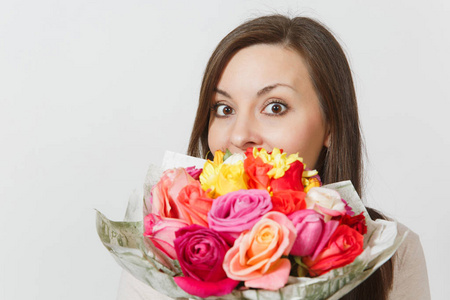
161	231
273	280
328	229
205	289
309	226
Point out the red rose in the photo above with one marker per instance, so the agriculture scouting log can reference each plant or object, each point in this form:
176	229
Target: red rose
343	247
288	201
256	171
292	179
356	222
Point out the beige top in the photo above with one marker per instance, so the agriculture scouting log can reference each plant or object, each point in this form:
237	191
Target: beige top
410	275
410	269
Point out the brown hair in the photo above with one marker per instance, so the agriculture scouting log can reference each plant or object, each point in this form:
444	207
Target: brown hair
331	76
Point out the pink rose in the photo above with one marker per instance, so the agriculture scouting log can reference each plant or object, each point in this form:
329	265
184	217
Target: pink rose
161	231
165	192
238	211
328	202
348	210
312	232
200	252
256	256
178	195
194	172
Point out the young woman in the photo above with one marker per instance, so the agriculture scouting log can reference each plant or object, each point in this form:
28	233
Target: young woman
286	83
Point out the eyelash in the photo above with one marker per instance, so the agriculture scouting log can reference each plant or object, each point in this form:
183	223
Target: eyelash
215	106
277	101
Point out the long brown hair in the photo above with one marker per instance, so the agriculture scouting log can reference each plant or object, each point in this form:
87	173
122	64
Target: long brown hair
332	79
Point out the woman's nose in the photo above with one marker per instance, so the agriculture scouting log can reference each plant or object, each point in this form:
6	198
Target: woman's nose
245	133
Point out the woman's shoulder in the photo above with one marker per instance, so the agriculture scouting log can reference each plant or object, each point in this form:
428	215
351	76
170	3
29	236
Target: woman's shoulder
402	228
410	271
411	246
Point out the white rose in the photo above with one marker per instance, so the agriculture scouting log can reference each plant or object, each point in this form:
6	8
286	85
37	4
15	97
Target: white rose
235	158
325	201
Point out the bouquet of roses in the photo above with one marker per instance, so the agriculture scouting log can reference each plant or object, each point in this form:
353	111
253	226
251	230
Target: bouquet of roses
250	225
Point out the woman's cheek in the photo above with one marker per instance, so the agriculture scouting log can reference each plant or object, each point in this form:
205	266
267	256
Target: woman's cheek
215	136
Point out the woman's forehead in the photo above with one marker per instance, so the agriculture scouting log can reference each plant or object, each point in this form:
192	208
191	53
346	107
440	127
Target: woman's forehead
261	67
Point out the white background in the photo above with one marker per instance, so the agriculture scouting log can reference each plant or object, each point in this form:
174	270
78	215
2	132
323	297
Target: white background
92	92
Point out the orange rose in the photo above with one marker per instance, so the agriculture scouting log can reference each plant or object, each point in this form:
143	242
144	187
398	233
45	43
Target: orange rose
343	247
288	201
194	204
257	255
256	172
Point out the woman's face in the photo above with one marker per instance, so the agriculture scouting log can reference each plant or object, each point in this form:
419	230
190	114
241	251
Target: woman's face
265	98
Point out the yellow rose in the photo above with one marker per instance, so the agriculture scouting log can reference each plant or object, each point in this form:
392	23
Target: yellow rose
218	178
230	179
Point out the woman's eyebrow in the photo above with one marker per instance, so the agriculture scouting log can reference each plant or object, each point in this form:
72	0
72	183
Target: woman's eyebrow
223	93
268	88
262	91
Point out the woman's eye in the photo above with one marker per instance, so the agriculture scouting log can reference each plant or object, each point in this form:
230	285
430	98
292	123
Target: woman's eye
223	110
275	108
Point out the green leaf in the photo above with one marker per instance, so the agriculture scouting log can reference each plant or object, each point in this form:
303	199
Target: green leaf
227	154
